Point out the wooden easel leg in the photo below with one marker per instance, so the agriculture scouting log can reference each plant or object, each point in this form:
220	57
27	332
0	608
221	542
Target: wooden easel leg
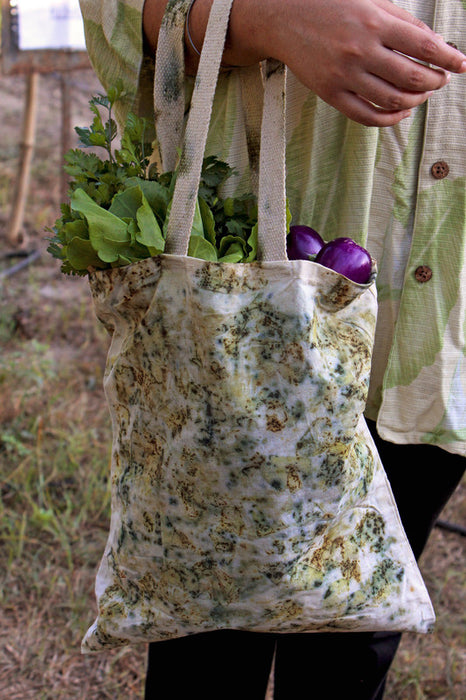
24	171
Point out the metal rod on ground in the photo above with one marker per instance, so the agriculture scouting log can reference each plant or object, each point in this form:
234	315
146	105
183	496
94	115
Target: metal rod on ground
24	171
35	255
451	527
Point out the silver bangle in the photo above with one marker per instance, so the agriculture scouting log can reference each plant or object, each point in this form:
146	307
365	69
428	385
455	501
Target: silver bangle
188	33
190	39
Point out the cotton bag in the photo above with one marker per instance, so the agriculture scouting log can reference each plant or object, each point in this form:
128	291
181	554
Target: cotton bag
247	492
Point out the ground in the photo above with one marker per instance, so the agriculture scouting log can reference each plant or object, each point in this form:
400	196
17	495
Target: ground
54	453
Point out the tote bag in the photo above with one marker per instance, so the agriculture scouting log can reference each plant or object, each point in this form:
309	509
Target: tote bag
247	492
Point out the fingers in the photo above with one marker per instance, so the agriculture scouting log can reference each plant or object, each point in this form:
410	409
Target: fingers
406	74
388	97
366	113
429	46
403	14
397	76
417	43
370	59
401	31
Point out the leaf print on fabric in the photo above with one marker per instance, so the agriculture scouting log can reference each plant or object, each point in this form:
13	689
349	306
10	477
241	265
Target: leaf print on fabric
245	494
452	426
114	45
428	306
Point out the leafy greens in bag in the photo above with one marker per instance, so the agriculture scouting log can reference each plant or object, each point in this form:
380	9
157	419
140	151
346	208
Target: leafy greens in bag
119	205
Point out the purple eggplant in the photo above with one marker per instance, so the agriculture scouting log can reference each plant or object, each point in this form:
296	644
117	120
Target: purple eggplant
346	257
302	242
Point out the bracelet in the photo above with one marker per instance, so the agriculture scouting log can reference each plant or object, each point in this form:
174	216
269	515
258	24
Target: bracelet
190	39
188	33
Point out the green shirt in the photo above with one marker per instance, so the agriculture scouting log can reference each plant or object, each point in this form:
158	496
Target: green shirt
399	191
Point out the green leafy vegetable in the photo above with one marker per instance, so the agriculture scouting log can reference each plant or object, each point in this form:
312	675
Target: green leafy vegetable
199	247
119	205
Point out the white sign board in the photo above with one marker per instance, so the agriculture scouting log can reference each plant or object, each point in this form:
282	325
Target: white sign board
49	24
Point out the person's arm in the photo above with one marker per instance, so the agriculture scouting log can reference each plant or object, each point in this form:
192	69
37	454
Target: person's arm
350	52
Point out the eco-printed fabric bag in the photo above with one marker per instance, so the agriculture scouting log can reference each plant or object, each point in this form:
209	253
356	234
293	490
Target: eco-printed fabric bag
246	490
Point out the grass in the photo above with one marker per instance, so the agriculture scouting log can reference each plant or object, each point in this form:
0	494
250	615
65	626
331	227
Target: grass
54	499
54	508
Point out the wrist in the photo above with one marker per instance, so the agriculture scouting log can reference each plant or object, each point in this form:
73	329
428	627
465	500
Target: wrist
247	27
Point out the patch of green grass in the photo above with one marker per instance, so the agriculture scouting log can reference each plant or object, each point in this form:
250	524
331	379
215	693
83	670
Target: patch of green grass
54	465
55	442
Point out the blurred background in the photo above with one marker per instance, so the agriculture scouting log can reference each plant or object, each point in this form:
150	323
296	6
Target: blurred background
55	432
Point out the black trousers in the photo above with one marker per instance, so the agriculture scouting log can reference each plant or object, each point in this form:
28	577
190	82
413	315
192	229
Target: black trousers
234	665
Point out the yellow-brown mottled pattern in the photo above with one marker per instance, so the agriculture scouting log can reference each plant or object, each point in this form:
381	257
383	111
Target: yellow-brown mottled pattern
246	490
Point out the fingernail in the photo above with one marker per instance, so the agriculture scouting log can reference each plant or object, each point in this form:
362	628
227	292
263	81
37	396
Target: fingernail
463	67
406	114
448	77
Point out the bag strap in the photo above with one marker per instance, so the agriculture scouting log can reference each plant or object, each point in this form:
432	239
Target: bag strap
169	97
252	97
272	226
272	190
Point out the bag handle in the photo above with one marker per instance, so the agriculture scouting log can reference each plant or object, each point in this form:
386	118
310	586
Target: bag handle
272	227
272	188
169	98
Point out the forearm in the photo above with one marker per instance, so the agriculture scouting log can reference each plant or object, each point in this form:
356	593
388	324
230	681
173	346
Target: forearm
246	30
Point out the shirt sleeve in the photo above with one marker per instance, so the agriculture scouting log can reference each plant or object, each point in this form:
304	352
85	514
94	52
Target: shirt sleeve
114	40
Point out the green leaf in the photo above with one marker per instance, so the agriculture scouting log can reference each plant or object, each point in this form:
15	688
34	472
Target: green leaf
199	247
116	91
150	233
229	206
198	226
99	99
235	227
232	242
208	221
80	163
156	194
252	243
111	130
107	233
75	229
126	203
134	132
84	135
131	204
98	140
81	255
215	172
103	222
233	254
289	216
135	149
124	260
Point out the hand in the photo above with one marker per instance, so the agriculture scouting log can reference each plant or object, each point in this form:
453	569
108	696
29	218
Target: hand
349	52
360	56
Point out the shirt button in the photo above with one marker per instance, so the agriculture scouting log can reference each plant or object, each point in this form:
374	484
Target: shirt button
423	273
440	169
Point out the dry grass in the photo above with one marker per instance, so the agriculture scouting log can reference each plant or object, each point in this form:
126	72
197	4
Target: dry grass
54	454
434	666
